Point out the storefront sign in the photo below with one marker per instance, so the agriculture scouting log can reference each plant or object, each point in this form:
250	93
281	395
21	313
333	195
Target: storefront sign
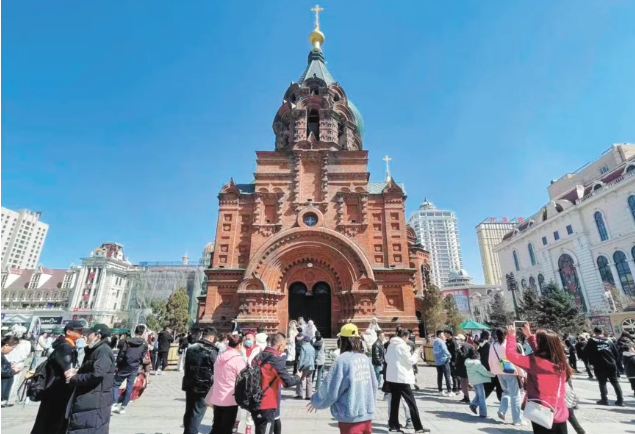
51	320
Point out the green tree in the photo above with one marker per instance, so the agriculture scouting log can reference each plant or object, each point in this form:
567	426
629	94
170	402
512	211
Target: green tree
559	312
453	317
177	312
157	320
499	316
433	312
529	305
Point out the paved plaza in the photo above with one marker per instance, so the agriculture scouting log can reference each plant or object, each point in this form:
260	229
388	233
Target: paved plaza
160	411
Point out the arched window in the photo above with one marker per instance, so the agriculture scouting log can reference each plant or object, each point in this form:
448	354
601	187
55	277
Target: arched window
599	222
569	278
630	169
516	263
313	124
605	270
624	272
532	256
523	283
541	282
532	282
631	203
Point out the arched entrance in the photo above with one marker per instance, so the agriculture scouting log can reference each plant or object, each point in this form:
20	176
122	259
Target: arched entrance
312	305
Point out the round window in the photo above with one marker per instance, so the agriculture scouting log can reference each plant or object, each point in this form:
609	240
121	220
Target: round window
310	219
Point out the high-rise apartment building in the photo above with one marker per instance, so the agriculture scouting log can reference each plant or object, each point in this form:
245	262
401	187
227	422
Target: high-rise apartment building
438	231
490	232
23	236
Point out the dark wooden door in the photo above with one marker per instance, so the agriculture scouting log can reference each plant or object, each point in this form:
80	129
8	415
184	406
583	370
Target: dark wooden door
320	308
298	305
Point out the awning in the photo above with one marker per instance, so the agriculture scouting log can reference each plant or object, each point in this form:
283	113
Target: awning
470	324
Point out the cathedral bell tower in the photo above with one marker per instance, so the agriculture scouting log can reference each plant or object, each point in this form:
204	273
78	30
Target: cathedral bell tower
310	236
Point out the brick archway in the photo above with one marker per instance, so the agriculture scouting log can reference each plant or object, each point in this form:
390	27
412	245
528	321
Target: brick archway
308	256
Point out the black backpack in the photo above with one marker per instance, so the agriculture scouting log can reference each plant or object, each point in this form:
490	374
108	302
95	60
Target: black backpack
248	391
37	384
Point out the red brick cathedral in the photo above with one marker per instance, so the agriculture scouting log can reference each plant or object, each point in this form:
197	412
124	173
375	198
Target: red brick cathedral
311	236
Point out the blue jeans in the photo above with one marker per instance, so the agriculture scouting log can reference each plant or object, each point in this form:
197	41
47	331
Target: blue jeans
511	394
319	371
378	374
129	385
480	400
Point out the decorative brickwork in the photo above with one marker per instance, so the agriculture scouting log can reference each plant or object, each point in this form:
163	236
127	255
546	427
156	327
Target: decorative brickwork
310	234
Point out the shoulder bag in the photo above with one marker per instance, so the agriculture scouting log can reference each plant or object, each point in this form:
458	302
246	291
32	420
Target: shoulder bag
506	366
539	413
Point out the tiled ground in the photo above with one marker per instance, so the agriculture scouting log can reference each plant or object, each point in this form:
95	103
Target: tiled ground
160	410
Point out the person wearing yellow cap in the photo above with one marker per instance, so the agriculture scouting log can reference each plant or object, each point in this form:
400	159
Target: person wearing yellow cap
350	389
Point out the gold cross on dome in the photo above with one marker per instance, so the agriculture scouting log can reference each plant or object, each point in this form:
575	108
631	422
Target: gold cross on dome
387	159
317	9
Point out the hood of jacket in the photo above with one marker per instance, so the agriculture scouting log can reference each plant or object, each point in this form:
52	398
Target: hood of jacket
261	340
136	341
397	341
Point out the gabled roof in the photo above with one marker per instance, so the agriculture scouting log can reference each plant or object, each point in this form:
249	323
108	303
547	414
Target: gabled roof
378	187
54	282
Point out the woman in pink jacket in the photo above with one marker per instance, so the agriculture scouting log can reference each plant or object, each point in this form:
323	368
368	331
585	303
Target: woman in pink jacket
221	395
547	373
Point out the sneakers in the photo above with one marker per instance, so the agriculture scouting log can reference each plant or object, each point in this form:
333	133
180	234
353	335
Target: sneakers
444	393
521	423
396	430
501	416
473	408
121	410
248	429
409	424
422	431
159	372
465	400
602	402
297	397
451	394
620	403
235	428
114	408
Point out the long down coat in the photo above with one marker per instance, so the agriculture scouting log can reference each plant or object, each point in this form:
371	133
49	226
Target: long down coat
92	397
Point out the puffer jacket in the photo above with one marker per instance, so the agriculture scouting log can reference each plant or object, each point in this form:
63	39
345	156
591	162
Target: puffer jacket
7	372
131	354
92	397
399	362
199	367
226	369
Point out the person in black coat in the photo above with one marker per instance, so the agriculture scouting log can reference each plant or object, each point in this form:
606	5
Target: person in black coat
464	352
483	351
198	379
89	410
453	347
570	345
603	355
579	349
378	356
165	340
51	416
130	357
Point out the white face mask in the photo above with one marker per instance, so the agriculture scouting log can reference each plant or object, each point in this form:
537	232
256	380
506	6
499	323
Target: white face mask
221	346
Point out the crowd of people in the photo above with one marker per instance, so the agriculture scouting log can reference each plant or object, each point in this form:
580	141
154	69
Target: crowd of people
241	375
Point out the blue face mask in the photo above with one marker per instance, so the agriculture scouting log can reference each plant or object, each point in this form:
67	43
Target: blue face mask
248	344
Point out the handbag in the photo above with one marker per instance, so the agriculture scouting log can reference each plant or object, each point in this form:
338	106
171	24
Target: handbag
506	366
541	414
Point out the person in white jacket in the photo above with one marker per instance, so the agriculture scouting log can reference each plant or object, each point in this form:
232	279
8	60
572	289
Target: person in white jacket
399	376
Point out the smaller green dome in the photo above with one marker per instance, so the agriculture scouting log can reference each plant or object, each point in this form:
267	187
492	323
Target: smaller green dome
358	117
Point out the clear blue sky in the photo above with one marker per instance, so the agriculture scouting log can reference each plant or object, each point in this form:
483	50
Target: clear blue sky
116	114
